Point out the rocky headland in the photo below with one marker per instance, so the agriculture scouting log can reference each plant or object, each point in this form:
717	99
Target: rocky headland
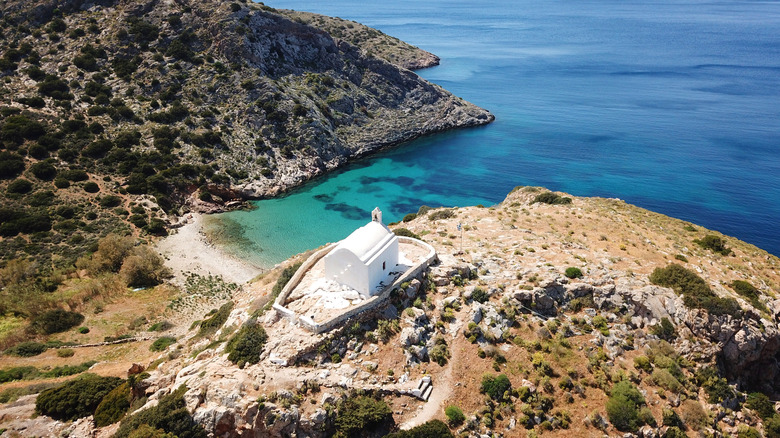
567	297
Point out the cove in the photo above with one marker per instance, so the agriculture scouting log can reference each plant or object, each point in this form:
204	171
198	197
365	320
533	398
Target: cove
671	106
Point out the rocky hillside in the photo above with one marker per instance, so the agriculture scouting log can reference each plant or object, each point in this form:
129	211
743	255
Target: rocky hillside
548	316
113	113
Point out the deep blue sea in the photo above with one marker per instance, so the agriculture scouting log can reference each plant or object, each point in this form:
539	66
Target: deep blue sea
670	105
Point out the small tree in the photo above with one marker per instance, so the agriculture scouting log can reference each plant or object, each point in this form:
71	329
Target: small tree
144	268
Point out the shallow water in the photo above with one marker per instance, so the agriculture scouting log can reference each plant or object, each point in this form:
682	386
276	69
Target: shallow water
672	106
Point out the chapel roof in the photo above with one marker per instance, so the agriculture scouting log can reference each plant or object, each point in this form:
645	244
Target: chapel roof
364	241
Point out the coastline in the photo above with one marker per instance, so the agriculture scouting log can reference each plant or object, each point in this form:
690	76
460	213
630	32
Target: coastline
187	251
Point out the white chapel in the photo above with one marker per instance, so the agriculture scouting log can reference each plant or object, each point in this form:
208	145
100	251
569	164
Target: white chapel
365	258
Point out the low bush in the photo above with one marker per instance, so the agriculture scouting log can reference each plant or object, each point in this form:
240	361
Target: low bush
284	278
144	268
714	243
623	406
454	415
429	429
479	295
65	352
75	399
405	233
162	343
409	217
551	198
663	378
664	330
444	213
760	403
247	344
170	415
495	386
55	321
113	406
360	416
27	349
573	273
749	292
695	291
210	325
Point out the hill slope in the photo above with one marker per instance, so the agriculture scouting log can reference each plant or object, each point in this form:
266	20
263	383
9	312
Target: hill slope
105	102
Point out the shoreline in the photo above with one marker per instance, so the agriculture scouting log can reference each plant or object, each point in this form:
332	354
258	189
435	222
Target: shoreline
187	251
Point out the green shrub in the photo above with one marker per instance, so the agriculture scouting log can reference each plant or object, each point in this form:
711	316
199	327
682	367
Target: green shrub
91	187
19	186
747	432
405	233
623	406
479	295
284	278
44	170
749	292
55	321
170	415
551	198
714	243
454	415
495	386
695	291
573	272
409	217
75	399
162	343
444	213
664	330
671	419
247	344
18	373
83	330
65	352
663	378
358	416
110	201
643	363
675	432
440	354
113	406
429	429
772	427
760	403
210	325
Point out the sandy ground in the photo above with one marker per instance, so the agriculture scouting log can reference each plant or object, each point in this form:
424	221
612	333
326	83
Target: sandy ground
186	250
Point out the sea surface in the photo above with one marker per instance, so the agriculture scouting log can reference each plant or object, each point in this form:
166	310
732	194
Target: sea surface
670	105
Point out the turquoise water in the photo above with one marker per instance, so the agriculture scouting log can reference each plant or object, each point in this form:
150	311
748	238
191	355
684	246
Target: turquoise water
672	106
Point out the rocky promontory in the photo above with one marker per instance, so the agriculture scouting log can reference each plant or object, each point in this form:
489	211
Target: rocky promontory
549	315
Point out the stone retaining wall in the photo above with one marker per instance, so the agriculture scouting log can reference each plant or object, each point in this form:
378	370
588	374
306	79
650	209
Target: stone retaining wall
324	326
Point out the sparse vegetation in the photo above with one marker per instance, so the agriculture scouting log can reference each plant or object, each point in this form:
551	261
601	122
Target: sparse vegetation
551	198
695	291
